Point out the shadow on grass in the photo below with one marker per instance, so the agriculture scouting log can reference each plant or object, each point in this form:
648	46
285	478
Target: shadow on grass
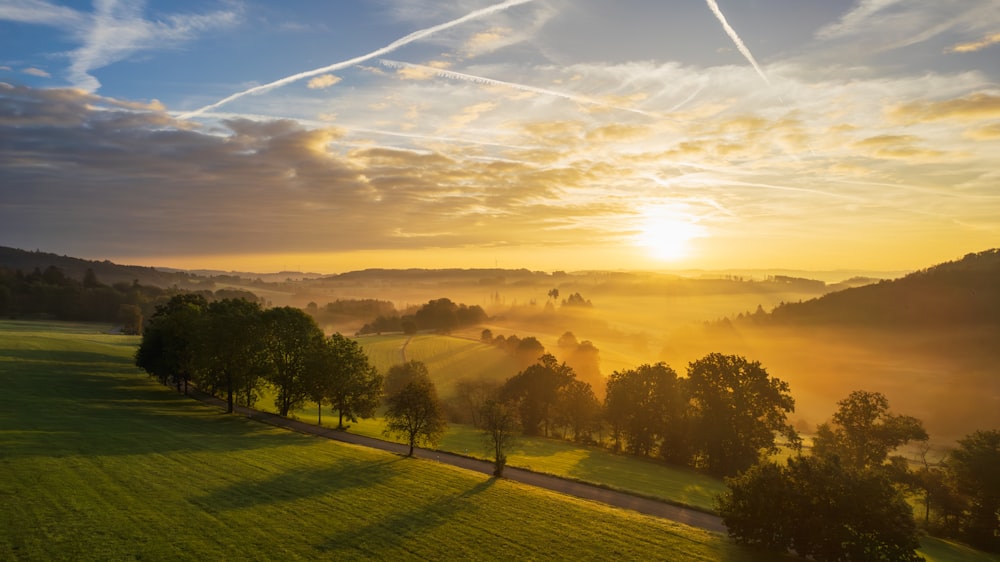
403	525
300	483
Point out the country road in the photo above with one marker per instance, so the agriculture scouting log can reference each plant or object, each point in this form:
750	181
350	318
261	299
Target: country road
614	498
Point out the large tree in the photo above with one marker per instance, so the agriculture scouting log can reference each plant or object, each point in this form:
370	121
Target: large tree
864	433
169	349
536	389
578	410
414	413
975	468
355	387
292	338
647	407
822	510
232	350
737	407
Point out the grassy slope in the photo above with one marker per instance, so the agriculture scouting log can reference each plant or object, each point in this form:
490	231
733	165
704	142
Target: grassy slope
101	463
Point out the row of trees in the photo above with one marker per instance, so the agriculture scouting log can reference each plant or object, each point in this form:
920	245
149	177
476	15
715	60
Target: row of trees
844	501
53	294
441	315
235	348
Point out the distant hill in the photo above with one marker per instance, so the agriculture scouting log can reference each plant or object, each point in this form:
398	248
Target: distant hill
964	292
106	271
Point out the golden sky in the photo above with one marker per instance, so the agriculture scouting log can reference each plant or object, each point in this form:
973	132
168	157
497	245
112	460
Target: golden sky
546	134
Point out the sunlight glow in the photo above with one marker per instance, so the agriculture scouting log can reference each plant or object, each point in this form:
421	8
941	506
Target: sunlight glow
666	233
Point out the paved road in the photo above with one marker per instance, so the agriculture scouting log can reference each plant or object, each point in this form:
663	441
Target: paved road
615	498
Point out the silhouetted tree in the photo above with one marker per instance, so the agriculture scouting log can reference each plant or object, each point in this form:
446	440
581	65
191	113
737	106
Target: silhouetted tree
821	510
864	432
737	408
975	468
536	389
578	409
643	406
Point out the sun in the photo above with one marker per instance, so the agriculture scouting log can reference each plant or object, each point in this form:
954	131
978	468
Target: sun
666	235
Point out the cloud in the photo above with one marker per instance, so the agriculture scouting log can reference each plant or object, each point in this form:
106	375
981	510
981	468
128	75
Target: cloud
415	36
115	31
974	107
974	46
323	81
42	13
423	72
37	72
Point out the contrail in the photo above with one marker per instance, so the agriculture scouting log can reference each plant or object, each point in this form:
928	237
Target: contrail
714	6
415	36
513	85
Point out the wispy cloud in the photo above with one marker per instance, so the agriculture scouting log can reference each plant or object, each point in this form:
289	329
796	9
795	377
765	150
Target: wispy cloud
714	6
974	46
115	31
415	36
36	72
428	71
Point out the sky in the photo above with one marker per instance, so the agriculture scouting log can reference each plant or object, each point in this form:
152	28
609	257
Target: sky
546	134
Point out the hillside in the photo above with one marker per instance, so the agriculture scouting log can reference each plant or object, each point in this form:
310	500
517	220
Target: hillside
962	292
106	271
928	341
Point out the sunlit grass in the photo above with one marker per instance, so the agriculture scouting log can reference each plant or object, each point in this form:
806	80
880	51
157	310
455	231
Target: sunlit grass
101	463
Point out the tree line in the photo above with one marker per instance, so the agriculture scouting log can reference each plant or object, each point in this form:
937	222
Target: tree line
843	500
236	349
440	315
50	293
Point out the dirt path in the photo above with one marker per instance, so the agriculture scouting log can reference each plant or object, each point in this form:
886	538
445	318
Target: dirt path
614	498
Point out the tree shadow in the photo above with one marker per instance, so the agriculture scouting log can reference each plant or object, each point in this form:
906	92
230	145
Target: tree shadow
398	528
300	483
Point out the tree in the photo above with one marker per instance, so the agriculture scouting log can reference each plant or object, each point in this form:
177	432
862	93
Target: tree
864	432
232	349
578	409
291	337
737	408
486	336
648	407
822	510
168	349
975	469
355	386
536	389
498	420
414	413
402	373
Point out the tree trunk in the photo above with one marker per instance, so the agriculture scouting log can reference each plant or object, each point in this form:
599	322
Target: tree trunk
411	447
319	415
340	422
229	394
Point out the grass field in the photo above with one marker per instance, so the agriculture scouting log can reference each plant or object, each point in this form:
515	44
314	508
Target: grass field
98	462
101	463
448	359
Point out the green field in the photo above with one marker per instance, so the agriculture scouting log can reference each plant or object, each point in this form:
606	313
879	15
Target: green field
448	359
101	463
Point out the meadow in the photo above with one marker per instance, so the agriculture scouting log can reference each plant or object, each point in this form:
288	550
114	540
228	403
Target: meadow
102	463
